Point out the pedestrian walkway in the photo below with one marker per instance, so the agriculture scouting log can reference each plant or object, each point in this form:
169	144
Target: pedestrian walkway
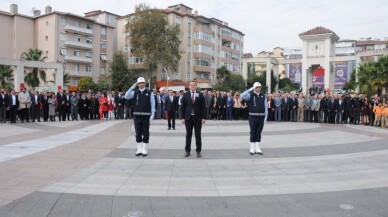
90	169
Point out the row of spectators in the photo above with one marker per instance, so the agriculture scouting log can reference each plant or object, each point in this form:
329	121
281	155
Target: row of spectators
220	105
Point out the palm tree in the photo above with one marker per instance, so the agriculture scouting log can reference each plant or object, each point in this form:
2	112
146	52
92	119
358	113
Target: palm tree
382	73
366	74
66	78
6	77
33	75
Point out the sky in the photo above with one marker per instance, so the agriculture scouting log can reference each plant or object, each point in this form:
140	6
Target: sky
266	24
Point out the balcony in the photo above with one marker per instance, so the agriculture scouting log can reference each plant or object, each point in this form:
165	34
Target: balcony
75	44
78	59
79	30
202	69
80	74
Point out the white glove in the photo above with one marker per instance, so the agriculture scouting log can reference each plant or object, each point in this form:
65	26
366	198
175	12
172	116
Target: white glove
151	117
251	89
133	86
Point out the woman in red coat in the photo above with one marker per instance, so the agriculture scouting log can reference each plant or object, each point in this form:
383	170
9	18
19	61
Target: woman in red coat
103	101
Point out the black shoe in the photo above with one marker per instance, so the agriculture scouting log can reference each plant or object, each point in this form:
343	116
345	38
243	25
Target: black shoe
199	155
169	128
173	128
187	154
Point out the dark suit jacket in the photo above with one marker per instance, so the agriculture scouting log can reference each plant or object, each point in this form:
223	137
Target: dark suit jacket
199	106
4	100
172	107
33	103
338	106
10	100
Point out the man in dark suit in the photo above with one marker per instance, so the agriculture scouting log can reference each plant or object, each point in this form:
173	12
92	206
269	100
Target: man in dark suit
45	106
35	106
193	110
3	106
339	110
13	103
171	108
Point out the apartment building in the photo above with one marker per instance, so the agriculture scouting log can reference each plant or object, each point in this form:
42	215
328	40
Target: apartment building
83	45
207	44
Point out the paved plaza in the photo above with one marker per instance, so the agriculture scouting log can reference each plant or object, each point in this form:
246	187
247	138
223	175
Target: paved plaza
88	168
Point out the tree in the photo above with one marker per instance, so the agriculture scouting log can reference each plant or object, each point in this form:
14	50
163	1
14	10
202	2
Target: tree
373	76
153	39
287	85
66	79
6	77
222	74
366	73
33	75
351	84
85	84
120	74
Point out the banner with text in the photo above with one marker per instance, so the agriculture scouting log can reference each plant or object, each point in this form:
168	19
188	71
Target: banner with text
341	72
295	72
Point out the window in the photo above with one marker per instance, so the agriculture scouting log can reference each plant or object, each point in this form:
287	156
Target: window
75	82
47	23
103	44
62	36
89	26
176	76
135	60
188	62
46	53
188	77
89	41
77	24
200	48
102	71
89	54
107	19
76	53
103	31
62	21
103	57
177	20
203	36
46	38
77	38
63	51
76	68
88	68
126	48
202	62
188	48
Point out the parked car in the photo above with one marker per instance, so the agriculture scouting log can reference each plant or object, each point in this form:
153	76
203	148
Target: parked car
339	91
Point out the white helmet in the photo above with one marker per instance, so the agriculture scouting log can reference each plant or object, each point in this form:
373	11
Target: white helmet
140	79
256	84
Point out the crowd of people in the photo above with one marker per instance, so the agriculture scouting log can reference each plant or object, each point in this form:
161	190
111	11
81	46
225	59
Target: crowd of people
220	105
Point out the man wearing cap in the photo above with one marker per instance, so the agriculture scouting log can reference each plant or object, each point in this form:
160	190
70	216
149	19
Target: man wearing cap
258	112
143	113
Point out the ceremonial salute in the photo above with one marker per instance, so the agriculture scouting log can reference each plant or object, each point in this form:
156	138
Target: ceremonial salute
258	112
143	113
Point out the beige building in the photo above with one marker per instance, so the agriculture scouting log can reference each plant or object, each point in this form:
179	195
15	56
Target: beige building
207	44
83	45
